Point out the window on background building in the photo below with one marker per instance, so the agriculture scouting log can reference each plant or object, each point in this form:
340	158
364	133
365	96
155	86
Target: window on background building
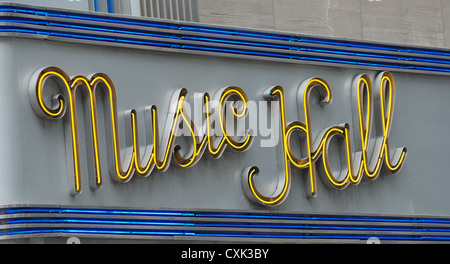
183	10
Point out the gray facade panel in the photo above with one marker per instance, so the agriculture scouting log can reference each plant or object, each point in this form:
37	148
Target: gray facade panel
149	77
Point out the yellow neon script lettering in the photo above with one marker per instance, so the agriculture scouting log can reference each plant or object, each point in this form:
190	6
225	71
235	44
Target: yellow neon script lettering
355	163
132	161
284	178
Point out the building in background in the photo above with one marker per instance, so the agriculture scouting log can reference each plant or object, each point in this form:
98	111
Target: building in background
224	121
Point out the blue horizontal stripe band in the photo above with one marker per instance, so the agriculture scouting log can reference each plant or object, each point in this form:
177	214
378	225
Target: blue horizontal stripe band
297	47
87	17
193	223
96	231
114	22
220	224
131	232
177	35
221	31
232	215
219	50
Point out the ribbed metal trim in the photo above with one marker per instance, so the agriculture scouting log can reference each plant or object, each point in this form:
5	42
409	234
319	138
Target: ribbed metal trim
143	33
218	225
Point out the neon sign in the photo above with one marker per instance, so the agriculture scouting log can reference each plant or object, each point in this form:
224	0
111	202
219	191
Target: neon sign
357	163
159	153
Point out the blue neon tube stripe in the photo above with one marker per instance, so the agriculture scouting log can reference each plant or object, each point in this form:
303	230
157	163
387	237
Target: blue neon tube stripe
99	222
234	32
91	28
239	51
220	234
213	224
88	17
89	37
228	41
97	231
226	215
331	218
253	229
220	50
